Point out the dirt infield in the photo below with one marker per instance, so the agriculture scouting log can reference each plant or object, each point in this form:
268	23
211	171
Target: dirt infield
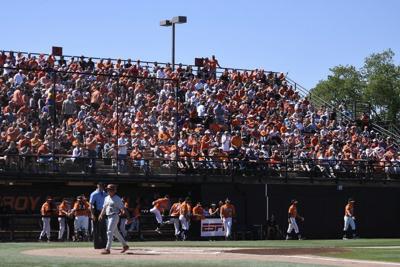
297	255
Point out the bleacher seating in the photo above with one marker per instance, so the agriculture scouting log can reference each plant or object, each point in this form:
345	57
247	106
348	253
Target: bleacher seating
61	114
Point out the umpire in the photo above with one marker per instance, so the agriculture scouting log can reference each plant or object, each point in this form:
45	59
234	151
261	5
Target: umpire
99	226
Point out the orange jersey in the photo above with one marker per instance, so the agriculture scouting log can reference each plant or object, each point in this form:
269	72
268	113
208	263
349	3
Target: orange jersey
349	210
174	211
46	210
198	213
184	209
161	204
81	208
293	211
63	209
227	211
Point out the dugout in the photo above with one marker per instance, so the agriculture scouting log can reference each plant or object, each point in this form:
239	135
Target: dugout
377	208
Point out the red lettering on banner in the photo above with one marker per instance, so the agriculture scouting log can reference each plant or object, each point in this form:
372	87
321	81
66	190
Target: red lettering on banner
21	203
211	227
8	201
34	202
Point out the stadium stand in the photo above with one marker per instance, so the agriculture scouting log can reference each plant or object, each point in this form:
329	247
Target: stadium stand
89	115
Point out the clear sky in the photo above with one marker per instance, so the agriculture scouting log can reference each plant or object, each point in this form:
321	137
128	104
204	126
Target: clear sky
304	38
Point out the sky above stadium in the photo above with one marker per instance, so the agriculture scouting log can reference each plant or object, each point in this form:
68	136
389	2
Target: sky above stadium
303	38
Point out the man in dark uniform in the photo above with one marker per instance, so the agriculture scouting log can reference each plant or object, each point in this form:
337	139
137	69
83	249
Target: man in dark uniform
99	226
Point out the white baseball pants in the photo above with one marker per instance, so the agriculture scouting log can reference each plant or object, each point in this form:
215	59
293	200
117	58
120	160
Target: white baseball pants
176	223
112	230
292	226
61	223
228	226
81	223
349	222
46	228
157	213
122	227
184	222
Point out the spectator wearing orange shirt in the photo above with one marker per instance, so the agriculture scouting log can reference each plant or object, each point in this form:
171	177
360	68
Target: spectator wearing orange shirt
213	64
44	153
96	99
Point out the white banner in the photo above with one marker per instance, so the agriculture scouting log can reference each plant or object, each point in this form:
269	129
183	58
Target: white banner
212	227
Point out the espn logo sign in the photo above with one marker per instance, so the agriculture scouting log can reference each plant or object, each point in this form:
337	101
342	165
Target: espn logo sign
212	227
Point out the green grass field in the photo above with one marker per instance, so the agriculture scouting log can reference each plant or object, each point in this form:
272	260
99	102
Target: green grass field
10	253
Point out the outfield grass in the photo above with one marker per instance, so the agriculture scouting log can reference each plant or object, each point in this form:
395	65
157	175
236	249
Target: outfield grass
10	253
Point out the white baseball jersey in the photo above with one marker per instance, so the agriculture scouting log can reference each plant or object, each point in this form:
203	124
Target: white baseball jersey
113	205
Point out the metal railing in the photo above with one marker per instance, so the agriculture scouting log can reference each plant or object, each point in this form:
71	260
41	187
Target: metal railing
286	168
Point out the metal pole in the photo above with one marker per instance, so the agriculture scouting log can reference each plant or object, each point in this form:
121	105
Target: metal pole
54	118
117	133
173	46
267	201
176	126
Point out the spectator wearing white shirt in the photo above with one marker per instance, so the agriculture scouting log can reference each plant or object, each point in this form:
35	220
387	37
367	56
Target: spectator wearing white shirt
226	141
160	73
122	152
19	78
201	110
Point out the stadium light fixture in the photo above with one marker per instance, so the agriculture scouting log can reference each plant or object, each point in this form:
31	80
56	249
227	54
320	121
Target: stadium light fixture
172	22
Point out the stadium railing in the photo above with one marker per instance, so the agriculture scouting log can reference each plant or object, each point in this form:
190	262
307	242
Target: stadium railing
284	169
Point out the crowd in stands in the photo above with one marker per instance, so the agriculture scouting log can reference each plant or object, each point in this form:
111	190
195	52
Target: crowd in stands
126	112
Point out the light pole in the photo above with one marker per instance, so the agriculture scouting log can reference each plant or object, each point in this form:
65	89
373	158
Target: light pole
172	22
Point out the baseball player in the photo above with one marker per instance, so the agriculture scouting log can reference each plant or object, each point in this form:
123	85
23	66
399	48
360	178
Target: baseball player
227	212
159	206
63	213
349	220
292	216
184	217
197	216
81	212
46	211
174	214
123	218
112	207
